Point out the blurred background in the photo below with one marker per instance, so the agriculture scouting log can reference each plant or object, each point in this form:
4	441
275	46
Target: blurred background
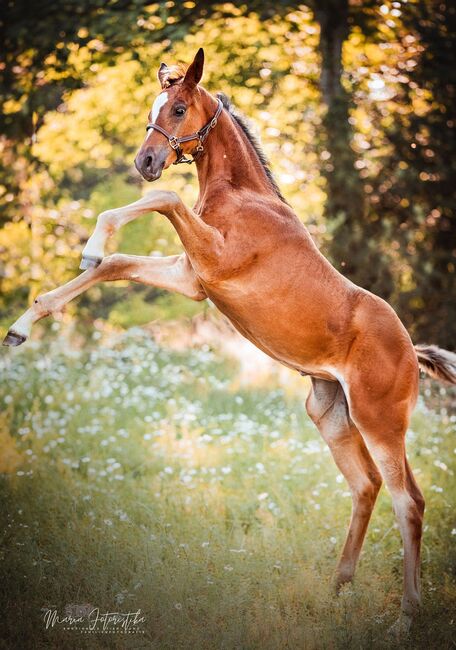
354	103
150	458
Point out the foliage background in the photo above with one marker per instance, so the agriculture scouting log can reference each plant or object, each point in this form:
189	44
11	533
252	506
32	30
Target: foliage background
133	475
354	102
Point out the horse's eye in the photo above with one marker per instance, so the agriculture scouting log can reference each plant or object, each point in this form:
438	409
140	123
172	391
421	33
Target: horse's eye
180	110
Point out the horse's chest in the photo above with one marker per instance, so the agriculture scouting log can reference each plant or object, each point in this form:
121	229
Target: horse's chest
251	315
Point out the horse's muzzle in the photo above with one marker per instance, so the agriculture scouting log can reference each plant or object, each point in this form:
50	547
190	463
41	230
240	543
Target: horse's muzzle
150	163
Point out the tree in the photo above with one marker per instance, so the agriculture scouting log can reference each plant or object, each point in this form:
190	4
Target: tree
415	187
352	247
343	148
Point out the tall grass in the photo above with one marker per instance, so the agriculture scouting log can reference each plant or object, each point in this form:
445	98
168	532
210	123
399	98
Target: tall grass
136	477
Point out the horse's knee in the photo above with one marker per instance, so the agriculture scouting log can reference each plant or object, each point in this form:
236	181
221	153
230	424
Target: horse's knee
107	220
164	201
365	495
114	265
172	198
113	261
44	305
409	513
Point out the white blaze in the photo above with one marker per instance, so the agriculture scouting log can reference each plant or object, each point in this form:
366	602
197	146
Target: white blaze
158	104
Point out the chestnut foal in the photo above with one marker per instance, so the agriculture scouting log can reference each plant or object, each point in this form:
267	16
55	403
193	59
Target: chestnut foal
247	251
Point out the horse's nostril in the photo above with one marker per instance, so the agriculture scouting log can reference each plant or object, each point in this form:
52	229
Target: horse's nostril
148	161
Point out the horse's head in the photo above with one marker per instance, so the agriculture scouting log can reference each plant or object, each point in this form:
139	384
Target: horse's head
177	112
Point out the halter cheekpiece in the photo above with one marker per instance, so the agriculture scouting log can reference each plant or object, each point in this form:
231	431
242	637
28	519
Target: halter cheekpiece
201	135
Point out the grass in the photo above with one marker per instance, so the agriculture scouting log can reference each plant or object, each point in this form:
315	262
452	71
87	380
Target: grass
137	477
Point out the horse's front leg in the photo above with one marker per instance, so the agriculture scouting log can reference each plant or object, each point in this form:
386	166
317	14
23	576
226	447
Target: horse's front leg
173	273
110	221
202	242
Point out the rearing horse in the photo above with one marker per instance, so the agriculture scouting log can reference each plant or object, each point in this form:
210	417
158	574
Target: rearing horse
248	252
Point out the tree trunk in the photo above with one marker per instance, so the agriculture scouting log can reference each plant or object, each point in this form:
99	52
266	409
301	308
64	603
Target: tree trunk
349	249
333	20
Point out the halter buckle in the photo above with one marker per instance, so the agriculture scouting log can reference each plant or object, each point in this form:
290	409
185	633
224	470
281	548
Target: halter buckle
173	142
213	123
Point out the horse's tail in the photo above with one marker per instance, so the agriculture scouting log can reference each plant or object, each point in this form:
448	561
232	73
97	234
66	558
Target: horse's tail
436	362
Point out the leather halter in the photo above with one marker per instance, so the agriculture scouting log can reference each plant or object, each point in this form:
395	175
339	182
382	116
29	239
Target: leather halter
201	135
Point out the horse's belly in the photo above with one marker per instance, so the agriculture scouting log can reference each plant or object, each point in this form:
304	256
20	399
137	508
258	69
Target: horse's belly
282	331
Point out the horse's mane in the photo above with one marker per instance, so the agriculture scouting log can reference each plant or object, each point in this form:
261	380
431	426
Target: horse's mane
242	122
173	75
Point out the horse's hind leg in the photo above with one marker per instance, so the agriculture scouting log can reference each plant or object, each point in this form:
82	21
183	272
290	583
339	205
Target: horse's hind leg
327	406
408	504
383	422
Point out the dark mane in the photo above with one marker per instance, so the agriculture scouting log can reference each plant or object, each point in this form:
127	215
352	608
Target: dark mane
243	124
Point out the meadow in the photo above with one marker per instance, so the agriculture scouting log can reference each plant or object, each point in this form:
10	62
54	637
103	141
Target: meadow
136	476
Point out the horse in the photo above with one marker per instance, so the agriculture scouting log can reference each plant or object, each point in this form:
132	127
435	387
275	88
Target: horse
247	251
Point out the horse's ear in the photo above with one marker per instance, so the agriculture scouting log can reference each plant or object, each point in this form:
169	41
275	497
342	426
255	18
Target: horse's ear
162	74
195	70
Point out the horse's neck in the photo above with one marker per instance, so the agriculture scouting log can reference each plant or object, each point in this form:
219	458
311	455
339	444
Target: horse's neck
229	158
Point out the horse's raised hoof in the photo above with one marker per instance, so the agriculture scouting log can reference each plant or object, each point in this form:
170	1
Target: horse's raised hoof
90	262
13	339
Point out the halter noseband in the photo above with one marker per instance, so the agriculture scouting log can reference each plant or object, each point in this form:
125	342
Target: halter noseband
201	135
